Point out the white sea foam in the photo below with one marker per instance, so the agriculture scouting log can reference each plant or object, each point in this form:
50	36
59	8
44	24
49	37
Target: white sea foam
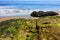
13	11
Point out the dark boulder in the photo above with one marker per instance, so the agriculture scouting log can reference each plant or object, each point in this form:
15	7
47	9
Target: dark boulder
43	14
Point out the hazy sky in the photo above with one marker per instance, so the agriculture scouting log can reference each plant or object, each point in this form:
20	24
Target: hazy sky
29	0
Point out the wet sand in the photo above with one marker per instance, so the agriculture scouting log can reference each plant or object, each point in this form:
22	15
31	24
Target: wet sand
14	17
8	18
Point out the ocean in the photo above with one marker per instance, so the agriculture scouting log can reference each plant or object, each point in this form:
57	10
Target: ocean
32	4
5	7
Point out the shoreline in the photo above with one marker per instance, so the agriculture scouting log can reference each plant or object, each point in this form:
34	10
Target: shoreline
16	17
6	14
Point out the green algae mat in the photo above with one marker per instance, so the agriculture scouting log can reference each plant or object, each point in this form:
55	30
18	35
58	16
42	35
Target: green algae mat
44	28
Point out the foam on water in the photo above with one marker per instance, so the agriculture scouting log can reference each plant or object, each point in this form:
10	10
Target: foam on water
25	8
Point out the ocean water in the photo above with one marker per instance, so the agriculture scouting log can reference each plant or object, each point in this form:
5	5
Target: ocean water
40	5
32	4
26	5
